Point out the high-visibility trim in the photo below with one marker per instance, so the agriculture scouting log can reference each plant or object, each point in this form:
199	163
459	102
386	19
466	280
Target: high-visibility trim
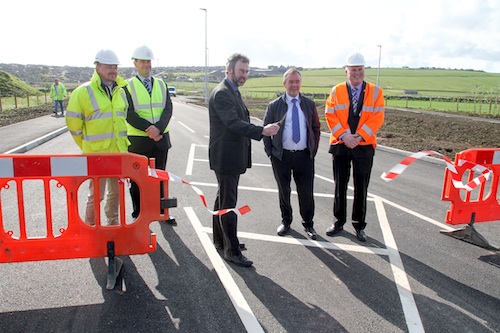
103	136
148	107
371	114
73	114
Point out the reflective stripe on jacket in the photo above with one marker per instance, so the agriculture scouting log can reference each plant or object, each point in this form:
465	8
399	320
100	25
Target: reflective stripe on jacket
61	92
96	122
371	116
147	107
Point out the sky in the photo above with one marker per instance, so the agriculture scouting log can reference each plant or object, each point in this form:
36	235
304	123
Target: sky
456	34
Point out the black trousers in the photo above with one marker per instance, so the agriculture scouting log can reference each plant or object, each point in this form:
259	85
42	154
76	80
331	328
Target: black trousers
361	159
225	227
300	164
160	157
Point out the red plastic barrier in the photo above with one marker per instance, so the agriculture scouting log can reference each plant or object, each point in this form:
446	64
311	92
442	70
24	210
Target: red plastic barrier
79	240
485	204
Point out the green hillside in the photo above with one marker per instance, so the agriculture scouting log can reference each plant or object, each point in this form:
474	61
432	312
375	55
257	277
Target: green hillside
11	86
394	81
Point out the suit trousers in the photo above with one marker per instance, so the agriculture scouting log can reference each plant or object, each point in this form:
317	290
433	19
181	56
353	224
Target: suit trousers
361	159
300	164
112	201
225	227
160	157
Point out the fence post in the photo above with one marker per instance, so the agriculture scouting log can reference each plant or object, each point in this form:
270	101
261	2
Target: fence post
28	99
15	100
430	102
407	102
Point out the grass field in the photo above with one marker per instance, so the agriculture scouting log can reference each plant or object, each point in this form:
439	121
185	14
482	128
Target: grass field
437	89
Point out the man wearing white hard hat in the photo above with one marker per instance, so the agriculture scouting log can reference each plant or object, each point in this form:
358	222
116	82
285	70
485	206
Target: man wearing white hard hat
96	118
354	113
148	119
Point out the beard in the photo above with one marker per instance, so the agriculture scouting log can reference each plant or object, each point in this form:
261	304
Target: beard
238	82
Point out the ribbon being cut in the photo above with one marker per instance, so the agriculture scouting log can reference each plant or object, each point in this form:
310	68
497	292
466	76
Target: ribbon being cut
457	181
164	175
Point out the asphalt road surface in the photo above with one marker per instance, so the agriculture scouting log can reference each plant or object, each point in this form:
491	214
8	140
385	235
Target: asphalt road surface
408	277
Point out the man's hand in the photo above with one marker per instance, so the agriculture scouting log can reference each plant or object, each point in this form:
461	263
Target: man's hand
270	129
153	132
351	140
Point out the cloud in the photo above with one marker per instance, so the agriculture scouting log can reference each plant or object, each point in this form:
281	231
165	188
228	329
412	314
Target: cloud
427	33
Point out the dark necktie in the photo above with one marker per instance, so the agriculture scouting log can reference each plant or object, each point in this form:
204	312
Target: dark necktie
295	122
147	84
109	91
354	99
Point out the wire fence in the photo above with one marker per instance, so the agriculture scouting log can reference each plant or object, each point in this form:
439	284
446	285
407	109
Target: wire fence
20	102
479	105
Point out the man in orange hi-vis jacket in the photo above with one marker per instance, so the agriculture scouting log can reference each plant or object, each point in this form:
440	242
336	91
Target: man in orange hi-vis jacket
354	112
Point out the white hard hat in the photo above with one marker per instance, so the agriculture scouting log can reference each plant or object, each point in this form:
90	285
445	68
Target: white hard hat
355	59
106	57
143	53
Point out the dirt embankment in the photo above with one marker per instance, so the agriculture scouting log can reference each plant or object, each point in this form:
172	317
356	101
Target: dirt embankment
416	131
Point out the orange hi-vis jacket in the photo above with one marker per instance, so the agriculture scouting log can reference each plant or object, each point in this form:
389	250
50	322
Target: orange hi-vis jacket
371	115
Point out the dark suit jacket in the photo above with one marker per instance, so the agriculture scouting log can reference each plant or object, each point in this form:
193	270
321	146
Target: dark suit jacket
229	150
276	111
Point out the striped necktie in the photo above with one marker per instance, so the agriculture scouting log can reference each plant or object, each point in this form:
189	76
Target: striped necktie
354	98
295	122
147	84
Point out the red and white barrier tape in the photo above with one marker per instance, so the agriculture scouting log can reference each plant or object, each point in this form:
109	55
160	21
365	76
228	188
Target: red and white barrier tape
457	181
164	175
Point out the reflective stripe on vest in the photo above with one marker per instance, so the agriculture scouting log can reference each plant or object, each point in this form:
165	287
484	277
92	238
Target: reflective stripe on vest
153	109
98	115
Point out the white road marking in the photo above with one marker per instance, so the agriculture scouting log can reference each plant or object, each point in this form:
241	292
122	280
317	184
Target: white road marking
309	243
188	128
410	310
239	302
189	166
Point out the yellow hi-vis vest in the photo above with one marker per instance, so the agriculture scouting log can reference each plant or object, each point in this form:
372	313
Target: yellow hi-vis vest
147	107
96	122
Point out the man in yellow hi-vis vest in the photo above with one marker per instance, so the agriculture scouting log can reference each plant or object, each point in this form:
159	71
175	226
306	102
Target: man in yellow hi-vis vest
96	118
58	93
148	119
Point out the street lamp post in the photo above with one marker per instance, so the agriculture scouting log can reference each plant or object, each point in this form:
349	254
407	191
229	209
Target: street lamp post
379	55
205	88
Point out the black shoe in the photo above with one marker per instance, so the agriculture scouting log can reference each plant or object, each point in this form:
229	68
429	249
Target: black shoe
283	229
240	260
171	221
334	229
221	247
360	235
311	232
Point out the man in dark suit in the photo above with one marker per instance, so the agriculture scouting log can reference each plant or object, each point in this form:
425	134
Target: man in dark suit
293	149
229	152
